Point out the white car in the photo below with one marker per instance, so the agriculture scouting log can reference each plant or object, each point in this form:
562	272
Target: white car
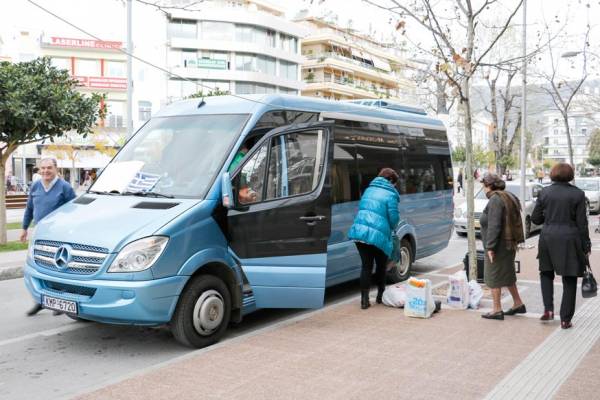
460	213
591	187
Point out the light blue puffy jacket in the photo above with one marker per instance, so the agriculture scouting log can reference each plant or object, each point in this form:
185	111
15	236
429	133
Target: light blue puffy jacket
377	216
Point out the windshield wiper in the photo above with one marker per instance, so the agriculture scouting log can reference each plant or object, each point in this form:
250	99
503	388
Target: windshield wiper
148	194
111	193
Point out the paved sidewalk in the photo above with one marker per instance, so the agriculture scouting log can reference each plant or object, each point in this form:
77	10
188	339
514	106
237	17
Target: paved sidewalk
342	352
11	264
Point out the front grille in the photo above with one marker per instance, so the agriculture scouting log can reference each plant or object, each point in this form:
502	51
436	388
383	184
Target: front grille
61	288
85	260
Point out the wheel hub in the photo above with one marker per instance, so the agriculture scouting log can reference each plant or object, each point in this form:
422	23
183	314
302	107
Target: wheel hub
208	312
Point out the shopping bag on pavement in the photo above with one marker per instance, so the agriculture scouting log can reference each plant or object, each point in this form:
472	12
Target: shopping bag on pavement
419	299
458	290
475	294
395	295
589	287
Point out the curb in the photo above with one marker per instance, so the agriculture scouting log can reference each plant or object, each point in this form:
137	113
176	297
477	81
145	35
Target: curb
11	273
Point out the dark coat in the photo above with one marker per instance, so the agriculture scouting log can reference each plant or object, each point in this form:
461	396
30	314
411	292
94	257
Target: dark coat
565	239
500	273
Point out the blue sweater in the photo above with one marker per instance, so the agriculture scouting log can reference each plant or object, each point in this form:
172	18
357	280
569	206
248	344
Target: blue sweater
377	216
41	203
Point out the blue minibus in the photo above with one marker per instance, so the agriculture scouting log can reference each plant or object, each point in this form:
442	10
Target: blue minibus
220	206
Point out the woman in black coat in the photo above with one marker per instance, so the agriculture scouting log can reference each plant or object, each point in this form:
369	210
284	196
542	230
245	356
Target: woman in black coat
564	243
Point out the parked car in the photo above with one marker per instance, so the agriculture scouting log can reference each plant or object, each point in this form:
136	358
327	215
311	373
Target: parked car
591	187
460	213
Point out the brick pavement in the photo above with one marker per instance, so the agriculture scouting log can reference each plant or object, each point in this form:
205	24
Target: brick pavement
342	352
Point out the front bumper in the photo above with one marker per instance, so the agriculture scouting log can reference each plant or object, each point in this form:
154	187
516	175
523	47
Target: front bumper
460	225
119	302
594	206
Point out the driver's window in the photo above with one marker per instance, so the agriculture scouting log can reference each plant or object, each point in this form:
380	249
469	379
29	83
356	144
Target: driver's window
250	181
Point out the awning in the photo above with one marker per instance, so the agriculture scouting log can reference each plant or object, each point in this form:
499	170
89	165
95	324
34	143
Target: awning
381	63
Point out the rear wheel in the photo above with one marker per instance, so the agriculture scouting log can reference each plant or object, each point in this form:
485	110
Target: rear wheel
202	313
401	270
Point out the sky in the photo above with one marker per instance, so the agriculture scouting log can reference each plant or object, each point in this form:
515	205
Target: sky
108	20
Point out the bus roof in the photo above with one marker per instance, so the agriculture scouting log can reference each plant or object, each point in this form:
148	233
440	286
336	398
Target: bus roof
258	104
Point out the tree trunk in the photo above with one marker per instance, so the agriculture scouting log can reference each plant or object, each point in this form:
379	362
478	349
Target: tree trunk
470	194
569	141
2	202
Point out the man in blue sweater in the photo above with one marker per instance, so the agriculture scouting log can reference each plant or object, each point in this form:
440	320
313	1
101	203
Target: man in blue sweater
45	196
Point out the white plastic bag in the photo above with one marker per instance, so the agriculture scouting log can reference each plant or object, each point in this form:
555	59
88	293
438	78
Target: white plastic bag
395	296
458	290
475	294
419	299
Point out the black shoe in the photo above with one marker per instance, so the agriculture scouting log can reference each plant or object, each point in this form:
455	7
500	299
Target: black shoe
364	300
34	310
379	298
547	316
497	315
519	310
566	324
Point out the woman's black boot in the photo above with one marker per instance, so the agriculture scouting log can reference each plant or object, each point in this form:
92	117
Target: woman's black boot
364	299
379	298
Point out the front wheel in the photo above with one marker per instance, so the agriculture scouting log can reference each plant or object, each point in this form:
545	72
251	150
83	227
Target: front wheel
202	313
400	271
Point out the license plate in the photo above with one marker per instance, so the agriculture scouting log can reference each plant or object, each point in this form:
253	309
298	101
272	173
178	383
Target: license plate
66	306
477	225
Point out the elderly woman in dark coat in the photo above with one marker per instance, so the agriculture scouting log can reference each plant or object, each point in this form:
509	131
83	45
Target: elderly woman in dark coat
564	242
501	233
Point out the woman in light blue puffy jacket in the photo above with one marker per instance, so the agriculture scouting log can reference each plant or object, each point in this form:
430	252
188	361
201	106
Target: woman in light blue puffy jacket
372	230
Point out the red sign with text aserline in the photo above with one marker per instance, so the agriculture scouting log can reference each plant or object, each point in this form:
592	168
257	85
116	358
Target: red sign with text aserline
84	43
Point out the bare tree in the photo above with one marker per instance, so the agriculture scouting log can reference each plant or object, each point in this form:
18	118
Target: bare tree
561	90
454	26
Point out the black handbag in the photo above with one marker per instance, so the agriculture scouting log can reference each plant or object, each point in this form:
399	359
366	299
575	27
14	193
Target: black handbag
589	287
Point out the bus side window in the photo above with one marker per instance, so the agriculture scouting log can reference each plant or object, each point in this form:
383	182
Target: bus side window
249	182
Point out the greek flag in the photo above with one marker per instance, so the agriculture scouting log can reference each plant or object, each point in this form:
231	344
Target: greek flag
142	182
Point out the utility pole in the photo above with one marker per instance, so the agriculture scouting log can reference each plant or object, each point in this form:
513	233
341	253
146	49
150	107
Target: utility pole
129	74
524	114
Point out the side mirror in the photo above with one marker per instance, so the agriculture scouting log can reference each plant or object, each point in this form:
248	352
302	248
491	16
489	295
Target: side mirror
226	191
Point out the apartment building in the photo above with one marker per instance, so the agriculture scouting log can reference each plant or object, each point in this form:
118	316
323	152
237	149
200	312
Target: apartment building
241	47
342	64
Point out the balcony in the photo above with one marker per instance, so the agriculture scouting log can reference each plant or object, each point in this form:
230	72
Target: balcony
346	87
357	67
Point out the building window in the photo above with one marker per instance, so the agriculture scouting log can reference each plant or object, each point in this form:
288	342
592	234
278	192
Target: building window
85	67
210	30
211	86
584	131
144	110
252	34
265	64
115	111
181	28
556	131
288	43
253	88
115	69
61	63
288	70
244	62
288	91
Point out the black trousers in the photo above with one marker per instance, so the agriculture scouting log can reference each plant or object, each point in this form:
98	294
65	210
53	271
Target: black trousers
567	305
368	254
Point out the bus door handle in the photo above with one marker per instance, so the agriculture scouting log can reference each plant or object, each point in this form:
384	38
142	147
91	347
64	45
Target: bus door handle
312	219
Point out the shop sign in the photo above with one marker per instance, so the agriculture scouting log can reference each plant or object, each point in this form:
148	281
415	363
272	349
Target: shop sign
210	63
85	43
98	82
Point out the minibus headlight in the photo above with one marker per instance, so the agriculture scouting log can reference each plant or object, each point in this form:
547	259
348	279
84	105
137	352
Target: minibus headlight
139	255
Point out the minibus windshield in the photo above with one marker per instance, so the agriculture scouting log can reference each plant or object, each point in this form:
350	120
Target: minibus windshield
172	157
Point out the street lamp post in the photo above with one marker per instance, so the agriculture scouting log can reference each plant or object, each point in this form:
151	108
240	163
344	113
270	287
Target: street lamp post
523	190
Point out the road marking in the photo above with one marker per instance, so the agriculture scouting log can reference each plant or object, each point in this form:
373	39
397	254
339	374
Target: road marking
50	332
546	368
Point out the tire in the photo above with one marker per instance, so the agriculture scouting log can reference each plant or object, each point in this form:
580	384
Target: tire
401	270
202	313
527	228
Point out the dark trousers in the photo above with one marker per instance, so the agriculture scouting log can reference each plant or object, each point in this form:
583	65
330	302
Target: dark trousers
567	305
368	254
